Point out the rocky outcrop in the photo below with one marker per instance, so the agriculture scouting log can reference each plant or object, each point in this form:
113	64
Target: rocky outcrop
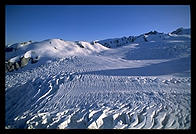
79	44
11	66
24	61
178	31
34	60
16	65
181	31
151	33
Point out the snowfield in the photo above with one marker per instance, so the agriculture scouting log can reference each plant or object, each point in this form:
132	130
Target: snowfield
81	85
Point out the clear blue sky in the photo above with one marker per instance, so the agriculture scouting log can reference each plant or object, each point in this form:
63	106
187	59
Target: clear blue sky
91	22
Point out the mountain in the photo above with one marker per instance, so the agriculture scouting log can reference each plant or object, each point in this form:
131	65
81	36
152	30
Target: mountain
181	31
22	53
146	37
135	82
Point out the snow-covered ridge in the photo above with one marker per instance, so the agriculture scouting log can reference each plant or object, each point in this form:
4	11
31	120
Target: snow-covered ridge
182	31
146	37
19	54
56	47
17	45
48	49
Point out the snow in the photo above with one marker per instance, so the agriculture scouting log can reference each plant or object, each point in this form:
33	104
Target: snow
138	85
14	59
56	48
30	54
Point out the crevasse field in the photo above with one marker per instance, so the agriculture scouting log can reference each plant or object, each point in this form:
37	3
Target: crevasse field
140	82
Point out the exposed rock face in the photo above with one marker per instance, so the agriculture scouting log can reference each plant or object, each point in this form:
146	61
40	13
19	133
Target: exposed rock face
151	32
181	31
79	44
24	61
16	65
146	37
34	60
11	66
178	31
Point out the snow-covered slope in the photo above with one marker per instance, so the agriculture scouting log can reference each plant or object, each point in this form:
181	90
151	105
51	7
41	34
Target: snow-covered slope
50	49
56	48
152	36
131	85
182	31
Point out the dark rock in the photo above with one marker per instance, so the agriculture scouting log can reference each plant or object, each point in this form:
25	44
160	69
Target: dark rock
34	60
16	65
131	38
92	43
181	31
9	64
8	49
79	44
151	32
106	45
11	68
145	39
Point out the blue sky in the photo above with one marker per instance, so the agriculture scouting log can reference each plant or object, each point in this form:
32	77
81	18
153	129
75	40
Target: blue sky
91	22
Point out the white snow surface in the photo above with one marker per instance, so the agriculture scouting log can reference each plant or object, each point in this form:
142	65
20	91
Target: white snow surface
55	48
140	85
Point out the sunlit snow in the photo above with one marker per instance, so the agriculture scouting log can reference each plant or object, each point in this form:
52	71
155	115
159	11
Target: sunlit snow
125	84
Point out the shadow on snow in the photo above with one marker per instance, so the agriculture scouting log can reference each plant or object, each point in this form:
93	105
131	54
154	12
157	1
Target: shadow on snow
170	67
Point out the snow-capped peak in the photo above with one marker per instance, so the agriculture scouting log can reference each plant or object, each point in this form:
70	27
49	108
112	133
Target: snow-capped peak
49	49
146	37
181	31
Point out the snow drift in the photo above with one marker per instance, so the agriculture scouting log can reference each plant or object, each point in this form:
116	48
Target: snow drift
136	82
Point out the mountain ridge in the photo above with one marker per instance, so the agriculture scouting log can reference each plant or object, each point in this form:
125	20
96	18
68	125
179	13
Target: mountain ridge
177	31
19	55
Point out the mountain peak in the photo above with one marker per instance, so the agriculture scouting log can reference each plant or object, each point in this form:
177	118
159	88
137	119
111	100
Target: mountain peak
151	32
181	31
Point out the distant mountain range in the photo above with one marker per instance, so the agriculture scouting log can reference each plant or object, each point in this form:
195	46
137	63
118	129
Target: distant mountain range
146	37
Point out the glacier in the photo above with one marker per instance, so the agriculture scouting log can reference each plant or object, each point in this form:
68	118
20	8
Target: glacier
136	82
